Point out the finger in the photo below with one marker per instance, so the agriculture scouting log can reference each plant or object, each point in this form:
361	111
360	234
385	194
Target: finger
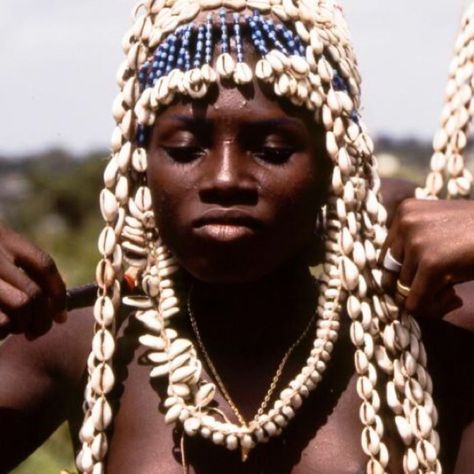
41	324
19	279
443	302
426	283
41	267
14	303
393	233
37	308
4	320
4	325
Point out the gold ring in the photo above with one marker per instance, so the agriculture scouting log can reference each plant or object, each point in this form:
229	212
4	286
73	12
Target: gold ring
402	289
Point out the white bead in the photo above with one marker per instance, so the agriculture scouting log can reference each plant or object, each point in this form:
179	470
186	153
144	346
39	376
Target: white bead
192	425
232	443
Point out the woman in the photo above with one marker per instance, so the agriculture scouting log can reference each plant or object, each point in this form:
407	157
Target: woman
239	160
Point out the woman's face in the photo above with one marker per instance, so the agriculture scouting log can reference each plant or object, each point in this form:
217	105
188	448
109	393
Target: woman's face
237	181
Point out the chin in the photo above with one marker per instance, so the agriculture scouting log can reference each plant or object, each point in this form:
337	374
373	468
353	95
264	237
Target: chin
227	272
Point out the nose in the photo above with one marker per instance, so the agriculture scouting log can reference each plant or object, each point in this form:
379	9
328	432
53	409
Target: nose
228	178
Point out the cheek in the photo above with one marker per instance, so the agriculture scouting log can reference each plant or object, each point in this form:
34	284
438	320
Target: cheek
297	199
168	189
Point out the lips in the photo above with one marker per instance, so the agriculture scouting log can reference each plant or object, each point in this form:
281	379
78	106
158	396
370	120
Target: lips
226	224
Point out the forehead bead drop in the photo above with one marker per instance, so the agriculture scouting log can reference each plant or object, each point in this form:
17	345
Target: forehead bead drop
305	55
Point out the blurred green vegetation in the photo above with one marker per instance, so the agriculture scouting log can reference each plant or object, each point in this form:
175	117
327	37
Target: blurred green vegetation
53	199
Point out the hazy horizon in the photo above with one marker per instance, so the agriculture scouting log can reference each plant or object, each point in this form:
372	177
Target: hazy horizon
62	58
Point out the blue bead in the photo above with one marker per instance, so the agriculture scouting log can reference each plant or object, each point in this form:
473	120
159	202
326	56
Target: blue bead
339	83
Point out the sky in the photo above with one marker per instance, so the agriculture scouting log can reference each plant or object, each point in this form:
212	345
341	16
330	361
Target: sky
60	57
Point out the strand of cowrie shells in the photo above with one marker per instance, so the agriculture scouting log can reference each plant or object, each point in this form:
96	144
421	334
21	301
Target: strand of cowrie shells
401	355
448	175
124	229
304	83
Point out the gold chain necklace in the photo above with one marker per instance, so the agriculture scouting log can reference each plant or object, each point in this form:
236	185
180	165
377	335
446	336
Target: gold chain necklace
218	379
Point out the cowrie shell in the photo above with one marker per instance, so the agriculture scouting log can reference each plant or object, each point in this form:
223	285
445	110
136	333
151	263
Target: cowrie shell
205	394
208	73
150	320
104	310
153	342
263	6
101	414
179	346
299	65
104	274
173	413
139	160
107	241
225	65
264	70
160	371
242	74
102	379
116	142
121	189
280	12
108	205
181	389
182	374
131	91
103	345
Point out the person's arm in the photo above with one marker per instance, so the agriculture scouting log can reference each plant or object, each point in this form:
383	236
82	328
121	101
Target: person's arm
458	310
41	363
41	385
434	243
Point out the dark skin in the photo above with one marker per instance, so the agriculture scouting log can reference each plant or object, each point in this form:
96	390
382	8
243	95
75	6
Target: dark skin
265	293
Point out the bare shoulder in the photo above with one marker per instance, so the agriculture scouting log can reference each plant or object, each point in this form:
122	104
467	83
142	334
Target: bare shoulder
61	352
465	462
40	383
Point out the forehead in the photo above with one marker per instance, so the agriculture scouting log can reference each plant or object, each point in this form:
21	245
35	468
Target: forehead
230	103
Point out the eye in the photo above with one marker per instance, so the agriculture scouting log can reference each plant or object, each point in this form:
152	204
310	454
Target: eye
184	154
274	155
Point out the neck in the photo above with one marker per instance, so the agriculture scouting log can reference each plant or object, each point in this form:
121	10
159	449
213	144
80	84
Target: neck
255	317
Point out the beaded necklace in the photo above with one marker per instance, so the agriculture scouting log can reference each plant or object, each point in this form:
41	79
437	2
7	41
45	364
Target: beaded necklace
218	379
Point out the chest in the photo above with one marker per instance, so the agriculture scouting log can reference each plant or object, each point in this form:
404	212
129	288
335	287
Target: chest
323	437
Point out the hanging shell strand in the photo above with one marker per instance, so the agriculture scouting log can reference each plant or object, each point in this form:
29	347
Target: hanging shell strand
306	56
448	176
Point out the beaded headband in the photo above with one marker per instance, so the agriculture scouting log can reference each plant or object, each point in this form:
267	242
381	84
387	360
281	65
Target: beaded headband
305	54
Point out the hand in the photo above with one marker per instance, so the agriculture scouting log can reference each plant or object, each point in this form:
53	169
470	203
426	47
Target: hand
434	242
32	293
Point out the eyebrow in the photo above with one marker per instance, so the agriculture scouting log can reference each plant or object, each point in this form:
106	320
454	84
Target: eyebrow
261	123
